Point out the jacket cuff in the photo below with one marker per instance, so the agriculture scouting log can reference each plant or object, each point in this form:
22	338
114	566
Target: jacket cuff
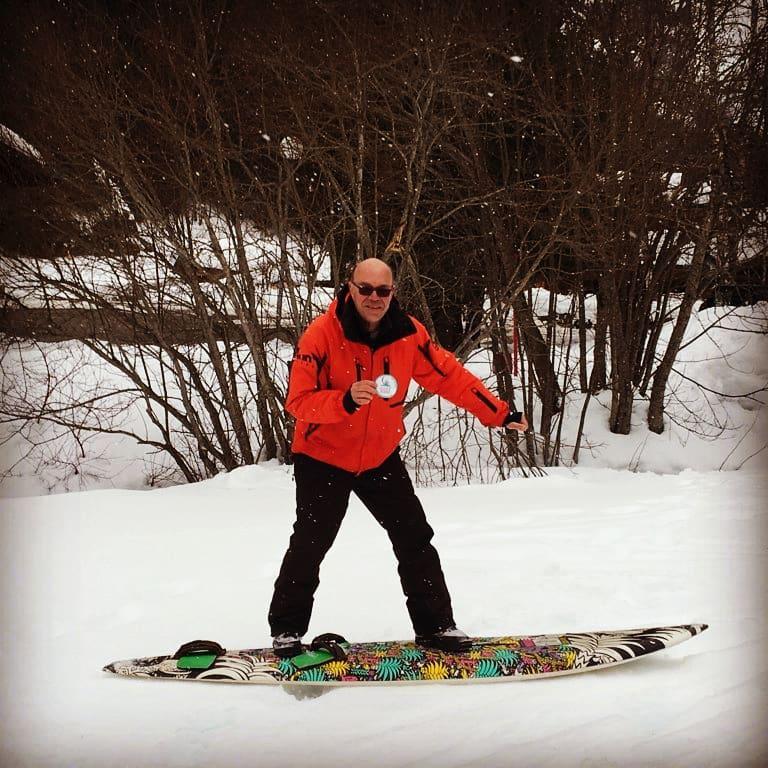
350	406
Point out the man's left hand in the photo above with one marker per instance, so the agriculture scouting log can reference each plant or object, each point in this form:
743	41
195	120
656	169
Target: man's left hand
520	426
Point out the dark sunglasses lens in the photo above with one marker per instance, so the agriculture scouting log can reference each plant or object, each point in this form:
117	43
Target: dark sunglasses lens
382	290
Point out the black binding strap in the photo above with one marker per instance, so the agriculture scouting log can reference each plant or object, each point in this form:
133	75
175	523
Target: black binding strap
199	648
330	643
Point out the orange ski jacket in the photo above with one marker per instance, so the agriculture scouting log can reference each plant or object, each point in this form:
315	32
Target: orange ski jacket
336	350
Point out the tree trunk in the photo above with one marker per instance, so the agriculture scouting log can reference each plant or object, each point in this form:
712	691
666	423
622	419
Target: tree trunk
622	393
621	405
545	379
583	381
597	381
660	378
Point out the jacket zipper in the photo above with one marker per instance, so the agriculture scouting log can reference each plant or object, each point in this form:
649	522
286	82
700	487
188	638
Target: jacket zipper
365	433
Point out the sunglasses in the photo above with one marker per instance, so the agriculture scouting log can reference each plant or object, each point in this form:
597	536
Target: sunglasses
382	291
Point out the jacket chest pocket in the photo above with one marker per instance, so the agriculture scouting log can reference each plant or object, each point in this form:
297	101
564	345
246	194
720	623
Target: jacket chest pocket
345	370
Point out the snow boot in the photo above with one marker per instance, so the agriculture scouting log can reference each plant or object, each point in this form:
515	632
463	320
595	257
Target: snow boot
286	645
451	639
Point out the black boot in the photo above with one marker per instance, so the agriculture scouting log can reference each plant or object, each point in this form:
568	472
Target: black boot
451	639
286	645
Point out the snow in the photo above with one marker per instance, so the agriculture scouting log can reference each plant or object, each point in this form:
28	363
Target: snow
715	412
647	530
95	275
91	577
725	353
12	139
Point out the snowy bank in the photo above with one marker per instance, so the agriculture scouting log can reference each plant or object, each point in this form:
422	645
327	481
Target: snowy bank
91	577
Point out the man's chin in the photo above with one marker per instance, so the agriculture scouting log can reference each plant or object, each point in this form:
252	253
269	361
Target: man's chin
373	317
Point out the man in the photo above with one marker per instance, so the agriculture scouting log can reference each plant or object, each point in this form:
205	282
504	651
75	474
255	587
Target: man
348	383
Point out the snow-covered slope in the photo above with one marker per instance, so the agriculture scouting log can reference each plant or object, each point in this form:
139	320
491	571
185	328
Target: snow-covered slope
90	577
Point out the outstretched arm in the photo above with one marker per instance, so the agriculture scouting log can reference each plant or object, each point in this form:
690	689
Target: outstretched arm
438	371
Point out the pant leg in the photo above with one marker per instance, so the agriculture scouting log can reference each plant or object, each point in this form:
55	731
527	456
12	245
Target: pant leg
388	493
322	496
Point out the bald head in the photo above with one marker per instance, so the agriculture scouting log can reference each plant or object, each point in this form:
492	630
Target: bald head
373	272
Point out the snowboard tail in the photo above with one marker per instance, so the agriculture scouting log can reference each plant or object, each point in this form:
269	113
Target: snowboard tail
489	658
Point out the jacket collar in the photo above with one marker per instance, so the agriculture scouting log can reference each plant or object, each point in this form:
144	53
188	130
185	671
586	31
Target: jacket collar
394	325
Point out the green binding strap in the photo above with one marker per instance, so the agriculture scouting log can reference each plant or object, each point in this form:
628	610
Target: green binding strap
324	648
201	661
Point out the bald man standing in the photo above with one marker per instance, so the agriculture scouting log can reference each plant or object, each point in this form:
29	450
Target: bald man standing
348	384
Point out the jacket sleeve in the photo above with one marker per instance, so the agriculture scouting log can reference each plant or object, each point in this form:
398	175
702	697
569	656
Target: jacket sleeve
438	371
307	400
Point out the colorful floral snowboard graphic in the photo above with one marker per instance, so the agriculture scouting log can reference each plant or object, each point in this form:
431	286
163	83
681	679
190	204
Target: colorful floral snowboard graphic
491	658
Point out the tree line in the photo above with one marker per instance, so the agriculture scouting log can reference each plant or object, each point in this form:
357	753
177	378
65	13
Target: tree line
207	172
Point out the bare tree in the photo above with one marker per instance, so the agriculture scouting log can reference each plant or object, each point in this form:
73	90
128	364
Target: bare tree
201	188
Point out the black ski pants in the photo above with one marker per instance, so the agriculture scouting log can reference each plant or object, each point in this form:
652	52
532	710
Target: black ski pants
322	496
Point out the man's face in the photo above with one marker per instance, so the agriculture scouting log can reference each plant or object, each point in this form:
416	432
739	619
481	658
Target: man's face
371	274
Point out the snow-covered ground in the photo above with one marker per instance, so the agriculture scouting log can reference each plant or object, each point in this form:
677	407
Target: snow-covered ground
644	531
715	413
92	577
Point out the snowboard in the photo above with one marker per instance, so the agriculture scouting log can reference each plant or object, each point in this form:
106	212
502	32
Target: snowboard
489	659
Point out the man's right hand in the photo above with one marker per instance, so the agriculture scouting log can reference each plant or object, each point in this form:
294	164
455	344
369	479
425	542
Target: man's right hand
363	391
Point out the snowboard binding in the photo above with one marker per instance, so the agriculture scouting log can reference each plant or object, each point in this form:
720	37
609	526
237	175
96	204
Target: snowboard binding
324	648
198	654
